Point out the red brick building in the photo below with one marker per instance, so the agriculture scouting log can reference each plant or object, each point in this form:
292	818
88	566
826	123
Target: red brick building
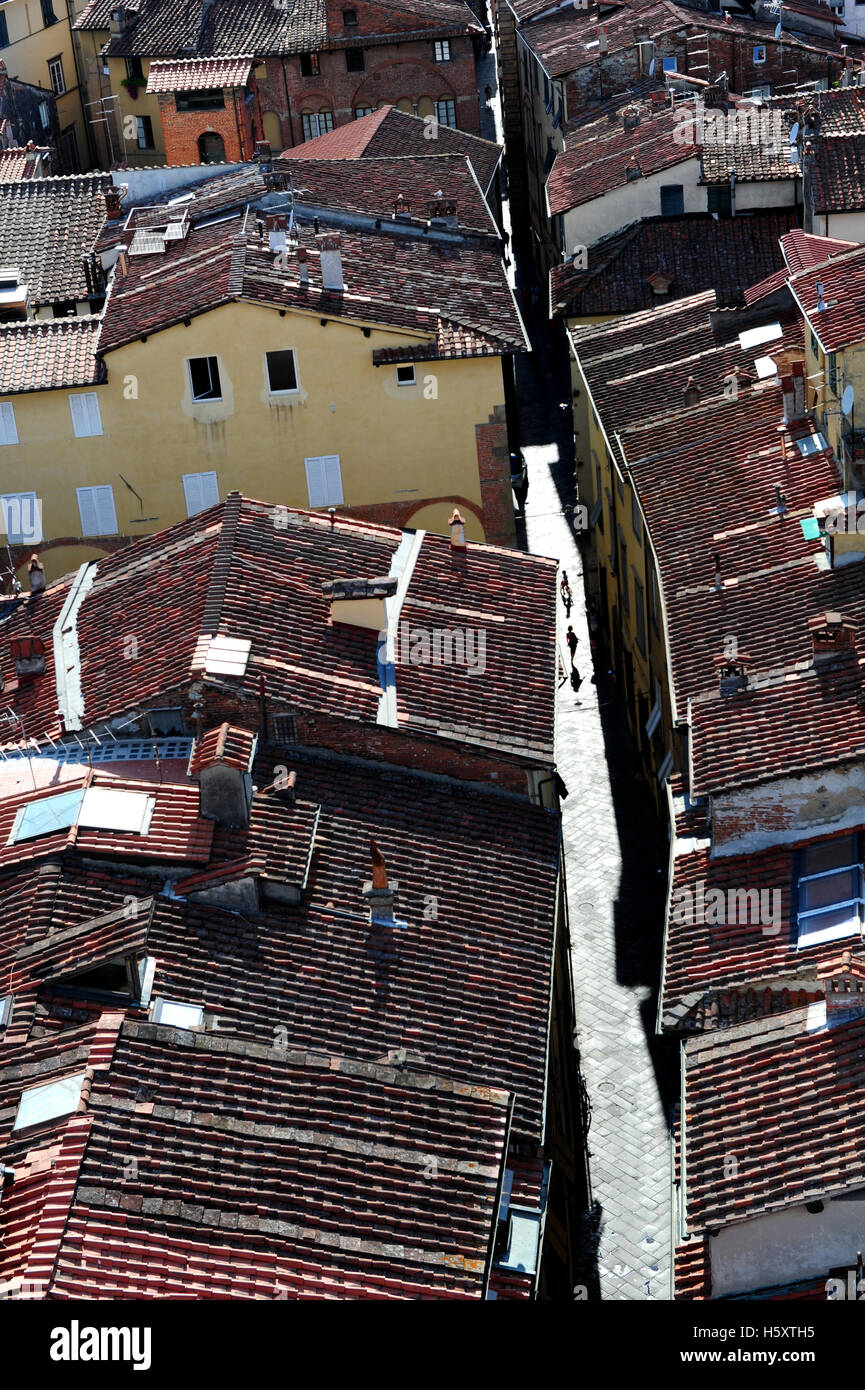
321	64
210	109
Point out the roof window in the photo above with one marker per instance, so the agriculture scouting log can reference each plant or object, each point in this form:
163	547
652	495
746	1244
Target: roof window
178	1015
91	808
830	891
42	1103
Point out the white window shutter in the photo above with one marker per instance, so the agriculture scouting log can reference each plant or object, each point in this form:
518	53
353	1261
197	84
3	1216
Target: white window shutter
332	481
8	431
315	481
201	491
86	417
21	518
98	514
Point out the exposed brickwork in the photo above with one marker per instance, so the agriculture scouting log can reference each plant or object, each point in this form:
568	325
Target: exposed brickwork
400	513
238	123
495	474
392	73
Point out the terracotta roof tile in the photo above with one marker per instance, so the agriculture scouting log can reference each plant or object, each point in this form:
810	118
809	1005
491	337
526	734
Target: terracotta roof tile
199	74
46	227
45	354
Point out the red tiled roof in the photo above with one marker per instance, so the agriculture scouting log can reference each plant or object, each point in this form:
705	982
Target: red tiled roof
306	661
17	164
842	322
803	250
391	133
787	1101
45	354
598	156
764	288
226	744
695	251
836	183
733	970
372	187
400	283
199	74
47	226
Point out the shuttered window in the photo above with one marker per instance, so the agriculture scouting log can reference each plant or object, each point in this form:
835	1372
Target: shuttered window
21	518
201	491
86	419
324	481
96	506
8	431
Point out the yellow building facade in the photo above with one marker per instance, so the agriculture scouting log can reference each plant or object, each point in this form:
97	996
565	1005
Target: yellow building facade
137	452
40	50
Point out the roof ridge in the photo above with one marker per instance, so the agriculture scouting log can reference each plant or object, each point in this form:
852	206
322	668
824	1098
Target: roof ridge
213	604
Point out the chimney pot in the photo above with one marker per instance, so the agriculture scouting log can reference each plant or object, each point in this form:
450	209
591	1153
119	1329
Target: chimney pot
692	392
831	633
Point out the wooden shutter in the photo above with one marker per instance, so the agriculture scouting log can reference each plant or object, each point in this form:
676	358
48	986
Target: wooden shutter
86	419
201	491
315	483
332	480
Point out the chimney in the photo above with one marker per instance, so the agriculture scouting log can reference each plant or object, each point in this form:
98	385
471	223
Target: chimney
631	118
457	530
692	392
276	223
360	602
222	761
633	172
843	982
377	891
28	653
36	575
303	265
112	202
123	261
793	391
831	633
732	674
330	246
402	208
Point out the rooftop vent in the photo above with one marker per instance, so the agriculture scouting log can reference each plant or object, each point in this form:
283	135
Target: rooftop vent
457	530
330	246
630	117
831	633
402	208
378	892
732	674
360	602
112	202
28	653
692	392
222	760
844	983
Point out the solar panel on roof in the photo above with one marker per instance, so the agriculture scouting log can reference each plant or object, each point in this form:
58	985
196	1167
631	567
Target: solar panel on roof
46	816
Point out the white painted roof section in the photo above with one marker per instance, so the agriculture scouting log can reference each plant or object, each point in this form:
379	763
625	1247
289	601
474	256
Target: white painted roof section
227	656
753	337
67	653
401	568
109	808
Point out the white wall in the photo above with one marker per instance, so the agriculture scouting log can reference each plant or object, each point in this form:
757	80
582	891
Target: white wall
145	184
766	193
621	206
849	226
785	1246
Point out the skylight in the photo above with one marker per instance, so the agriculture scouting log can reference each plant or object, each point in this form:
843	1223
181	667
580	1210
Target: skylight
753	337
811	444
227	656
43	1103
93	808
179	1015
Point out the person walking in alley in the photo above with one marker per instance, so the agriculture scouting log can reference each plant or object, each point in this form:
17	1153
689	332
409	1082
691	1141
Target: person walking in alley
567	596
488	93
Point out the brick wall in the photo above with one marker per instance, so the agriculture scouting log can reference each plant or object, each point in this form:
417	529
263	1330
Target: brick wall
376	742
238	123
392	73
494	467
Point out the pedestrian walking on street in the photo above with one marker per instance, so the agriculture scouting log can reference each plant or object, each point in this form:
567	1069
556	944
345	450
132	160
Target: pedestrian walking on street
488	93
572	640
567	596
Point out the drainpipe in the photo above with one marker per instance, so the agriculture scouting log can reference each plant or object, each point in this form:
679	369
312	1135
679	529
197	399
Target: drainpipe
287	102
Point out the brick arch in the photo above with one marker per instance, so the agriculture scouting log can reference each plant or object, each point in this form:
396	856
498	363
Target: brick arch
406	78
323	98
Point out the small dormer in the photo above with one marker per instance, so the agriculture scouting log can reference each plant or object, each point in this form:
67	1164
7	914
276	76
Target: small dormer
222	762
14	295
28	653
360	602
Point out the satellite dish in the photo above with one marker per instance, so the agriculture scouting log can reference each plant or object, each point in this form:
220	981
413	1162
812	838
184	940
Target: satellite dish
847	400
794	134
652	68
778	30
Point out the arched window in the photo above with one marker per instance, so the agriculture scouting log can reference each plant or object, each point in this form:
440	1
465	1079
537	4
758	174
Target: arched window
426	107
272	132
405	105
211	148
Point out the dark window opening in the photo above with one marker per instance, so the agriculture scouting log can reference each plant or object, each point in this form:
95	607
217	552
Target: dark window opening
211	148
200	101
721	199
48	15
204	376
310	65
354	60
281	371
134	70
672	199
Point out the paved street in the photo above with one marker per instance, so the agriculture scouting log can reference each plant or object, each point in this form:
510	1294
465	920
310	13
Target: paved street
615	857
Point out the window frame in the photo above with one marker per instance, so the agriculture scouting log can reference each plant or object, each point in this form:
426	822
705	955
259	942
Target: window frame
355	60
287	390
406	367
77	1078
92	404
837	933
58	61
7	414
442	51
758	48
188	478
307	117
669	64
97	488
140	123
329	500
47	5
204	400
20	537
312	60
670	188
452	112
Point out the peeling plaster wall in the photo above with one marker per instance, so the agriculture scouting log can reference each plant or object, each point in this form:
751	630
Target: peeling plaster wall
787	1245
787	810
